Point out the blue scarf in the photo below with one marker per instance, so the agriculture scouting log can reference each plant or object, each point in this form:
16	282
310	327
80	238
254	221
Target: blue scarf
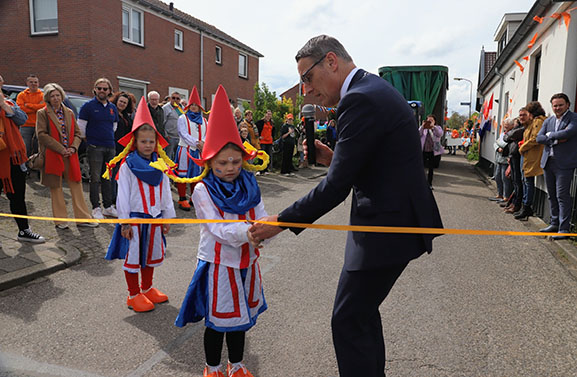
234	197
194	117
142	170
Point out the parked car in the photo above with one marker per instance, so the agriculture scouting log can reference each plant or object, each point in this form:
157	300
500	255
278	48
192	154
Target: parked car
74	101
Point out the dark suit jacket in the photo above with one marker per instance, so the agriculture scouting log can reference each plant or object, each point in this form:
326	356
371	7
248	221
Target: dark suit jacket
377	155
565	152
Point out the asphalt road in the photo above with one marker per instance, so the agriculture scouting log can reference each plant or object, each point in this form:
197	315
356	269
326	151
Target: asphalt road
477	306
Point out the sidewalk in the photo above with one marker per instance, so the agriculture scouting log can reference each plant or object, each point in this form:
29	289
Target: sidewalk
22	262
564	251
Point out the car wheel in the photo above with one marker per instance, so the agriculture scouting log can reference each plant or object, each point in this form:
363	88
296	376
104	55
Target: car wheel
84	167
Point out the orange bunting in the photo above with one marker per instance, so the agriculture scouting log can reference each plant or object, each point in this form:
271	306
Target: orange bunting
538	19
526	58
532	41
566	18
520	66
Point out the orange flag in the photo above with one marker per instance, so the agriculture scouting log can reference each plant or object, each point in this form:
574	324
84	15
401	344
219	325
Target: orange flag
526	58
520	66
532	41
538	19
566	18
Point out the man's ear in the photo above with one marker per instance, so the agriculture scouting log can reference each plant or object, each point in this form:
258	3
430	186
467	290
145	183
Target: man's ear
332	61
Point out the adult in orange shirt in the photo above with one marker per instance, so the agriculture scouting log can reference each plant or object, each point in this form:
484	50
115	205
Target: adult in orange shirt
266	131
30	101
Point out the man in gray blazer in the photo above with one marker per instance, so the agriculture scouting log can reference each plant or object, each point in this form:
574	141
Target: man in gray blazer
559	160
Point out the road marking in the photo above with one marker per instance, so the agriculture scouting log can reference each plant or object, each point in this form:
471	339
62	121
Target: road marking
15	363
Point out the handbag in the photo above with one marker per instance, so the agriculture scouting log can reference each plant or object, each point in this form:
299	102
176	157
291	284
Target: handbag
36	161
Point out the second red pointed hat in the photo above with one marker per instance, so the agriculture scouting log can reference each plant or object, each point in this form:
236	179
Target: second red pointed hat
221	129
142	117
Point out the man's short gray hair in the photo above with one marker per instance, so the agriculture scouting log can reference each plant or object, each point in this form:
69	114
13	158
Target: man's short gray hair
150	94
319	46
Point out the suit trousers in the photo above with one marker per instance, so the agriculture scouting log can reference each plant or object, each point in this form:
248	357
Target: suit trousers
558	187
356	321
78	203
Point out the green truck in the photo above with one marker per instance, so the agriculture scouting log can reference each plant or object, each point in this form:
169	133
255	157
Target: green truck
423	86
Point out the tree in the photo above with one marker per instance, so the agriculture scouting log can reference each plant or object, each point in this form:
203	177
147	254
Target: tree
456	121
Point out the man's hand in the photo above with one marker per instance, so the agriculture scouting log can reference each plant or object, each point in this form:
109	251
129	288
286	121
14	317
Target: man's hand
259	232
3	105
126	231
165	228
324	154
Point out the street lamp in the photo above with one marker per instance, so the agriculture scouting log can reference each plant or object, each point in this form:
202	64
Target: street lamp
470	93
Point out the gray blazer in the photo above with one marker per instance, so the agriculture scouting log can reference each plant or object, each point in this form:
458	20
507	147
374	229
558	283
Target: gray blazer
563	141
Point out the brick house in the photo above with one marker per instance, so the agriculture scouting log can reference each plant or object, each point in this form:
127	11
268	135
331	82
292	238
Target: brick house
140	45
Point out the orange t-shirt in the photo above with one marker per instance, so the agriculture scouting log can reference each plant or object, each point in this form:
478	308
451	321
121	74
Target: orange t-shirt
266	134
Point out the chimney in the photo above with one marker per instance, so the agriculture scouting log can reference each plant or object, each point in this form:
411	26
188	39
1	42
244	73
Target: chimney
171	7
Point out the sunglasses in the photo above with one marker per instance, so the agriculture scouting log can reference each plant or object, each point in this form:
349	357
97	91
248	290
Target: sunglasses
305	76
101	89
176	98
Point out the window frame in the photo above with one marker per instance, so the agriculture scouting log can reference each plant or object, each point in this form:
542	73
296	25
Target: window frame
130	38
244	74
181	33
218	55
32	19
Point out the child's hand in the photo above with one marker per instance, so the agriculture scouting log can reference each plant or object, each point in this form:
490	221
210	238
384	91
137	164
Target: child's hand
126	231
165	228
253	241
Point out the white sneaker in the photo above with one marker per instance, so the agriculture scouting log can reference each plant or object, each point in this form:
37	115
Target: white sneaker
97	213
110	211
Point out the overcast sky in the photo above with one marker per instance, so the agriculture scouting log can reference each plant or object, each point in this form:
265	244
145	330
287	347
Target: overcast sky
376	33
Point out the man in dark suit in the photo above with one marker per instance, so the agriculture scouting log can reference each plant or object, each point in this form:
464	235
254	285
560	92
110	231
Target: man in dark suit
559	160
378	156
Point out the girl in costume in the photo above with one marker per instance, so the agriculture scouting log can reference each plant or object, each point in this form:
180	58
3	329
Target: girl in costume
226	289
192	132
143	192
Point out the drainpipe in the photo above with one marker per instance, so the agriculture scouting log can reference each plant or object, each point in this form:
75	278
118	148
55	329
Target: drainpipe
202	67
501	99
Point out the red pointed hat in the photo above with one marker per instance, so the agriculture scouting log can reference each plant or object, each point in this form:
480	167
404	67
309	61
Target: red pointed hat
194	98
142	117
221	129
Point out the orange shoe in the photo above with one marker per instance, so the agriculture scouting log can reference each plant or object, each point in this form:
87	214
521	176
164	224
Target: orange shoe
140	303
155	296
184	205
218	373
240	371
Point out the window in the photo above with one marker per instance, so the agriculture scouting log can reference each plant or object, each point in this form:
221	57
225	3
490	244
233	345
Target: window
218	52
502	43
536	73
134	86
44	16
242	65
132	25
178	42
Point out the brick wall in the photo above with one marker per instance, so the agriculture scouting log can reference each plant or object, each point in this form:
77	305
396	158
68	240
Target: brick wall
89	45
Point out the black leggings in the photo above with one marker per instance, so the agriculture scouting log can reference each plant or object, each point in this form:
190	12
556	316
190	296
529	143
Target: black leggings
17	202
213	346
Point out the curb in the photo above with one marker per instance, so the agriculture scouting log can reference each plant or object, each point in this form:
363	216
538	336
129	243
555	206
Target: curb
46	267
564	251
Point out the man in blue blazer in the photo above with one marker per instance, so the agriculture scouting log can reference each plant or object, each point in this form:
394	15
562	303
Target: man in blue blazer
559	160
377	155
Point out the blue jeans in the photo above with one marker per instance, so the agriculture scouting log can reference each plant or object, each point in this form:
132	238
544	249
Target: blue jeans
171	147
97	157
558	188
503	183
529	192
29	141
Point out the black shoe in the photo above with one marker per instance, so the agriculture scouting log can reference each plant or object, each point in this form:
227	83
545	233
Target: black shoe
27	235
559	238
549	229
